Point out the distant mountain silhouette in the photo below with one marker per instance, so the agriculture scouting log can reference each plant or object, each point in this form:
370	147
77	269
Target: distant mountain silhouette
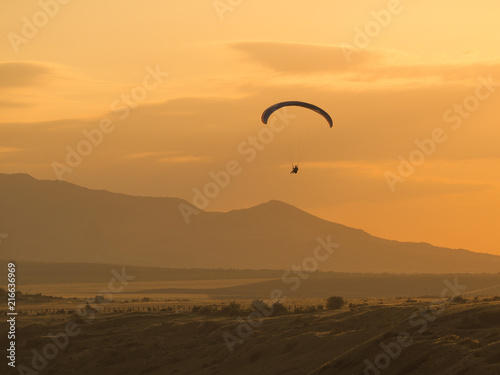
55	221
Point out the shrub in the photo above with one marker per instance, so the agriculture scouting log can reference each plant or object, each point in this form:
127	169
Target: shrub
258	305
234	308
279	309
459	299
100	299
334	303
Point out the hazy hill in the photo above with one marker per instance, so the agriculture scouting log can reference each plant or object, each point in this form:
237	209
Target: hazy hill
55	221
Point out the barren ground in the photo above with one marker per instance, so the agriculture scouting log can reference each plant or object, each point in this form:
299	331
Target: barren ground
433	339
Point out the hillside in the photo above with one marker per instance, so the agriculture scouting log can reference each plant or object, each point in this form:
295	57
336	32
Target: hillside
57	221
421	338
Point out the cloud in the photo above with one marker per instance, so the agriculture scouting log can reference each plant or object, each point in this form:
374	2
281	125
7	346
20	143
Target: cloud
367	66
13	74
5	150
11	104
295	58
144	155
175	157
186	159
188	105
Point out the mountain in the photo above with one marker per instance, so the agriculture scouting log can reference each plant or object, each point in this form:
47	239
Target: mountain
55	221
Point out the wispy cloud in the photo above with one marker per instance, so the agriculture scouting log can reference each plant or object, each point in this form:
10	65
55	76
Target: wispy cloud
366	168
5	150
186	159
172	157
303	58
13	104
144	155
17	73
369	66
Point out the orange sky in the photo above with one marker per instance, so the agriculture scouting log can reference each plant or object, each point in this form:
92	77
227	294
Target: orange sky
175	89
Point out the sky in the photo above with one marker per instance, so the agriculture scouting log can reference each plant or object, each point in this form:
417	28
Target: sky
164	99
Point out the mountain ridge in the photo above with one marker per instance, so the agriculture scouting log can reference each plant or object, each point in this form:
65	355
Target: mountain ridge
57	221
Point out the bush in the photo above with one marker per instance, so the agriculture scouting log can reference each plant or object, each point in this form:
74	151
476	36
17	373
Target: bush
334	303
459	299
234	308
100	299
279	309
258	305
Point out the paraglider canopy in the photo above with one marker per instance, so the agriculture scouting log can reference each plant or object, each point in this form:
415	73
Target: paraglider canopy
268	112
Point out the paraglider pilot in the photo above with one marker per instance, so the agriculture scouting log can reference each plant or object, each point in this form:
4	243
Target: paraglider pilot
295	169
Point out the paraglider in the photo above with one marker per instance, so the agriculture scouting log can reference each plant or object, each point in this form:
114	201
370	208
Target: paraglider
269	111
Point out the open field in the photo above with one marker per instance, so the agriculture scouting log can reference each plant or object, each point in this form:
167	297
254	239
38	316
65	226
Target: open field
173	323
421	337
246	284
89	290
